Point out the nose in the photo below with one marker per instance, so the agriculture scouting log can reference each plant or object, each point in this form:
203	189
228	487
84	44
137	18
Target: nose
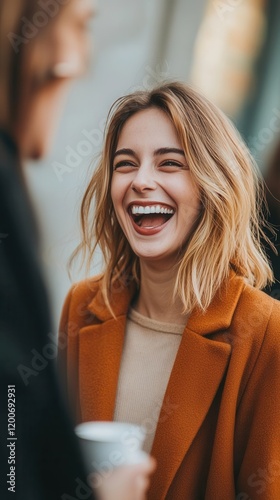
143	180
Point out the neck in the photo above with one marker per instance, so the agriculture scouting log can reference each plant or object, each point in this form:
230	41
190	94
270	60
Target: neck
155	299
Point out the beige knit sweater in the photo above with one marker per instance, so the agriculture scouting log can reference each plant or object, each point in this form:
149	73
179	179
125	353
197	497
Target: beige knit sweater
149	353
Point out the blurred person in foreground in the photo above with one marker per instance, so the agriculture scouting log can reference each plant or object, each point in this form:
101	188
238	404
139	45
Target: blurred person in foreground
44	45
175	334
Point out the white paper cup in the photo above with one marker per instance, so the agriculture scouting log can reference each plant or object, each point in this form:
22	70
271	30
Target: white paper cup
106	445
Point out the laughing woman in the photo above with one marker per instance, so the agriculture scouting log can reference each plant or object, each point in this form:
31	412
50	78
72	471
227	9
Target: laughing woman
175	335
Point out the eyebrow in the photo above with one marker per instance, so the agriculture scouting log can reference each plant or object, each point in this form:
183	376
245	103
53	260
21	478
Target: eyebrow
125	151
165	151
157	152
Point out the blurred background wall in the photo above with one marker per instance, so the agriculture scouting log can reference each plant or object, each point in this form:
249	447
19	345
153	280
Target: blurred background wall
229	49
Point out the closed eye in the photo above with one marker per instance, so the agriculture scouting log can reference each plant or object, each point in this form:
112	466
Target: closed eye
124	165
167	165
173	164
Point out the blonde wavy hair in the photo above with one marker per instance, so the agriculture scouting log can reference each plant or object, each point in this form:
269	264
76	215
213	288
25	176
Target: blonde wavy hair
229	231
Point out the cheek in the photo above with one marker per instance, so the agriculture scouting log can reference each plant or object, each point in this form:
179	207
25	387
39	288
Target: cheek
117	201
119	188
39	120
191	212
189	204
185	196
114	192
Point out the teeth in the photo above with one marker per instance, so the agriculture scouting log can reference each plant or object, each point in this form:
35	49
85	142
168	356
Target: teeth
151	209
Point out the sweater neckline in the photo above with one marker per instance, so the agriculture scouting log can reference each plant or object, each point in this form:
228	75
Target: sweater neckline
152	324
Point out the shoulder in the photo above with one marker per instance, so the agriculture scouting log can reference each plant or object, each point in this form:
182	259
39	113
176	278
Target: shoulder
87	287
77	302
83	292
86	302
254	337
256	303
256	319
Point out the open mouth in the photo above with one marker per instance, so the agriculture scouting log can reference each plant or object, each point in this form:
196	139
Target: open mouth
150	216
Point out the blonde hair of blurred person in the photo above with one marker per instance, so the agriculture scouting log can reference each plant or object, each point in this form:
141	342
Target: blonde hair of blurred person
44	46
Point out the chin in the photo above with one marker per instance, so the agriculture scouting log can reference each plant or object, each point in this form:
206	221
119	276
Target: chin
157	258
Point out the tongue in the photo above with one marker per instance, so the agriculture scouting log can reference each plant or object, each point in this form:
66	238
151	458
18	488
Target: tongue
152	220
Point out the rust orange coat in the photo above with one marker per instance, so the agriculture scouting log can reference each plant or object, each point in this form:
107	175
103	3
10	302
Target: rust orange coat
218	435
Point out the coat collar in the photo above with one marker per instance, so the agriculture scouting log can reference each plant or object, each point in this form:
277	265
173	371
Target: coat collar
199	368
120	300
217	317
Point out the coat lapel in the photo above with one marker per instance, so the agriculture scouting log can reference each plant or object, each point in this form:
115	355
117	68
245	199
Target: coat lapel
100	350
197	373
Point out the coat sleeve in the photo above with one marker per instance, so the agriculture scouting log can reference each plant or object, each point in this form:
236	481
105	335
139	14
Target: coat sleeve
258	421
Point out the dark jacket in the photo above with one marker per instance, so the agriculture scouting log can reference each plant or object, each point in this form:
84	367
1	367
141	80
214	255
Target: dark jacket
43	448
